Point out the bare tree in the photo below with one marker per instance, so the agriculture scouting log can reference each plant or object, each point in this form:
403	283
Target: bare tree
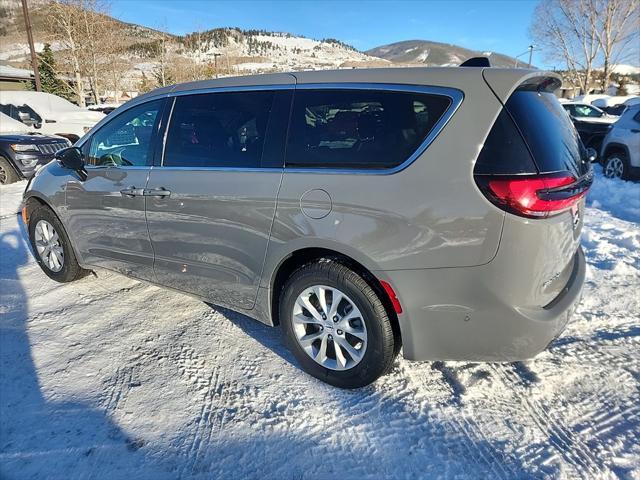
564	30
617	29
65	22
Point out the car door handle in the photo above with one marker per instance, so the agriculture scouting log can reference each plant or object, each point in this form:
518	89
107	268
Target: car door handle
132	192
635	130
157	192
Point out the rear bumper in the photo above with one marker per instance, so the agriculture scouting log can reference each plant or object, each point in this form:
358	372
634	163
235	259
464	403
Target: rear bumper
472	314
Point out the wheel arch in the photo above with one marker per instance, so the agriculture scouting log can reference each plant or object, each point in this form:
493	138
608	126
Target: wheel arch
35	200
11	165
302	256
614	147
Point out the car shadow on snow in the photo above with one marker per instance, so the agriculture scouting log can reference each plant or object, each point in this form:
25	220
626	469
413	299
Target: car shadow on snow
39	437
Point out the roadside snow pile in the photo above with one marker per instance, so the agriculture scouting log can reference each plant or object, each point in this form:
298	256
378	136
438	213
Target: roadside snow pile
619	198
108	378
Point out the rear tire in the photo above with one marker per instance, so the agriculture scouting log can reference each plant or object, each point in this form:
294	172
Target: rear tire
7	172
616	165
369	359
51	247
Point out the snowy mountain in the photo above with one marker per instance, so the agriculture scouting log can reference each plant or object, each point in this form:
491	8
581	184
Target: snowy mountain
424	52
260	51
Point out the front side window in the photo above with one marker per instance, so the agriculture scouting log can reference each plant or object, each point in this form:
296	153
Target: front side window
224	129
127	140
371	129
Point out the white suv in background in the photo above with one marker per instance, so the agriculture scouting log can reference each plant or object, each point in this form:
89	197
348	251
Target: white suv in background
620	152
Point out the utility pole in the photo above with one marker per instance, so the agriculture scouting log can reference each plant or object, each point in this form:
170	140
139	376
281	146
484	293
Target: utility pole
531	47
215	62
34	58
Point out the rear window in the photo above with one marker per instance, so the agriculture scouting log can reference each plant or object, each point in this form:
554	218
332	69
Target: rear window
363	129
548	132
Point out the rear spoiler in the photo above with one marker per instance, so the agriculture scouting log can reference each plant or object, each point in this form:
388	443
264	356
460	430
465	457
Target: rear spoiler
476	62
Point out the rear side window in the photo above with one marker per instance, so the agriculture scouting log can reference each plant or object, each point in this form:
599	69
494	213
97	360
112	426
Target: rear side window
218	129
504	151
361	129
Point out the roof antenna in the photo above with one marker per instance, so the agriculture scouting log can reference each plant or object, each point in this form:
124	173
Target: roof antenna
476	62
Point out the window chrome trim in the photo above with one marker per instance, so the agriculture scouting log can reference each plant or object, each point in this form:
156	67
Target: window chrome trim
228	89
456	96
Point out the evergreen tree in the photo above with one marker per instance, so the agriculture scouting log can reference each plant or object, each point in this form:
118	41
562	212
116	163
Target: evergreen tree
48	75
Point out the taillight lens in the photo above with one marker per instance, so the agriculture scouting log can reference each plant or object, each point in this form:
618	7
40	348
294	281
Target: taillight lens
534	196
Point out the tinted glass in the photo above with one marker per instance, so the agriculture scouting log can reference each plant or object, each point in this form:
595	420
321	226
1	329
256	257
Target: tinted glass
504	151
128	139
359	128
548	132
218	129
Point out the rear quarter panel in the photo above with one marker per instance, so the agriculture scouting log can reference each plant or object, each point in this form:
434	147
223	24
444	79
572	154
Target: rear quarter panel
429	215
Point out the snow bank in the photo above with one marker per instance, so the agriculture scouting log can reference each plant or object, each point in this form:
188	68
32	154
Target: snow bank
618	197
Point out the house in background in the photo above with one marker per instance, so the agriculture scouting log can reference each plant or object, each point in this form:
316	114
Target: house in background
12	78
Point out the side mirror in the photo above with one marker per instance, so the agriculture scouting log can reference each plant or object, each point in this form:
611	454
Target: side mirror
71	158
592	155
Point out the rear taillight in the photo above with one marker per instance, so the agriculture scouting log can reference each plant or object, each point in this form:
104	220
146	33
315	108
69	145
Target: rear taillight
534	196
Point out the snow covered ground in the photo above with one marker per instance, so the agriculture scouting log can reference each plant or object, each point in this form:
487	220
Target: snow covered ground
111	378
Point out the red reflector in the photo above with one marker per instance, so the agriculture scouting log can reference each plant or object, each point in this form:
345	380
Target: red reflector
526	195
392	296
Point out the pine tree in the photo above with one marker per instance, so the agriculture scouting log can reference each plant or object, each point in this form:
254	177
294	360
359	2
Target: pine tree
48	78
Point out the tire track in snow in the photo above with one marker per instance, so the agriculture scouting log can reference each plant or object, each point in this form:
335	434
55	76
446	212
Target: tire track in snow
217	391
467	430
566	442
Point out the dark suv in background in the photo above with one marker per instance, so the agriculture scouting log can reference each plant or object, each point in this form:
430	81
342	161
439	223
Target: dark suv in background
21	151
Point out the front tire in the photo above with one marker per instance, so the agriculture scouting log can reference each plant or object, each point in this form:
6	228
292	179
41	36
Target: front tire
52	248
7	172
348	344
616	166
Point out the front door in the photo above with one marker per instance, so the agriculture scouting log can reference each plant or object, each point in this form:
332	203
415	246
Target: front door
106	211
211	204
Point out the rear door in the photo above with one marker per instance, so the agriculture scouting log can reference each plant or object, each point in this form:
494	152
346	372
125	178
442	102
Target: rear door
534	139
211	202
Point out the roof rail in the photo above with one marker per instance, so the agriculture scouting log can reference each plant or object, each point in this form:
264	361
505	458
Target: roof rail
476	62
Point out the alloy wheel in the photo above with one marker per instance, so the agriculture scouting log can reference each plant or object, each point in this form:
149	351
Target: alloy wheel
48	246
3	175
329	327
614	168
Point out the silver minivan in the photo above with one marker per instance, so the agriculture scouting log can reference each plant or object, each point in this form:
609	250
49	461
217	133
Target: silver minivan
437	210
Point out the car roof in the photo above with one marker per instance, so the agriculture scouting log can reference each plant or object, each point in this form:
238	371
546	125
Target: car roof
434	76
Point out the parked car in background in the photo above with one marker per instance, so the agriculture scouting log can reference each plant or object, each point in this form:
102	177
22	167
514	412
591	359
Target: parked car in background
342	206
105	108
591	123
620	152
588	113
592	133
22	150
49	114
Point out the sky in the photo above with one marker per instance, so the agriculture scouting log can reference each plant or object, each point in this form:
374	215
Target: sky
483	25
